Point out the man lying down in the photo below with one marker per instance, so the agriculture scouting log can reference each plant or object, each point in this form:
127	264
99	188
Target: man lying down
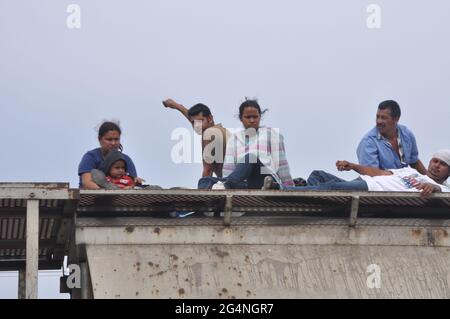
374	179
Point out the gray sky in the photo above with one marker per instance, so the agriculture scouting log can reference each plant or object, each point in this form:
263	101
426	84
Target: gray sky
315	64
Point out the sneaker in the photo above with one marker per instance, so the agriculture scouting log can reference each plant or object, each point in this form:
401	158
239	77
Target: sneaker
180	214
218	185
299	181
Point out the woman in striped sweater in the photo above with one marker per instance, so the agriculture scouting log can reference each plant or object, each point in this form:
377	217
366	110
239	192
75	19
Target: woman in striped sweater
255	152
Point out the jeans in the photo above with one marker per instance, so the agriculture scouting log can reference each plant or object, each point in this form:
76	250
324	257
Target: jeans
208	182
320	180
245	176
246	171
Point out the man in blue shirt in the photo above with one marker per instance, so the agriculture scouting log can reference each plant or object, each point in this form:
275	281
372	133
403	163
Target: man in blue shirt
389	145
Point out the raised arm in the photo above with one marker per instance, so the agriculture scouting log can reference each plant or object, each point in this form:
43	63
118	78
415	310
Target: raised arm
169	103
360	169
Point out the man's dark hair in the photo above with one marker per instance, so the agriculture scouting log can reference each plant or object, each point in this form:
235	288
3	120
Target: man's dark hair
199	108
391	105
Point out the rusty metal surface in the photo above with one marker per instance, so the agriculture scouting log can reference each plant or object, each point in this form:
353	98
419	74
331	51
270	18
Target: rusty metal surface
41	191
35	185
22	203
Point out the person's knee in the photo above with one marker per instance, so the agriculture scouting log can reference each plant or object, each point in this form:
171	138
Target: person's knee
206	182
316	174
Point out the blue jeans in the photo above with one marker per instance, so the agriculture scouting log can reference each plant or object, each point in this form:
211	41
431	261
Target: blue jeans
245	176
250	172
320	180
208	182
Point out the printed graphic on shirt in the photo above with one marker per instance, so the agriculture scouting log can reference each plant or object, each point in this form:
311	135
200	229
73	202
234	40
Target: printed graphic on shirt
411	181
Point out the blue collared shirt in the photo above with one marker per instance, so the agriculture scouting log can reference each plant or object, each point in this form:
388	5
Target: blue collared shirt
375	151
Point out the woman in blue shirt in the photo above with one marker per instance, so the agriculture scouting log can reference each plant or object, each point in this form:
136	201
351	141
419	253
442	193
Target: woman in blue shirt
109	139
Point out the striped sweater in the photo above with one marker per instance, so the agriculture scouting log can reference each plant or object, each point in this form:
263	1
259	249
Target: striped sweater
267	145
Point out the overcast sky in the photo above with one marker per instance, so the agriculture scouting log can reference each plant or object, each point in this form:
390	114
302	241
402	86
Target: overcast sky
315	64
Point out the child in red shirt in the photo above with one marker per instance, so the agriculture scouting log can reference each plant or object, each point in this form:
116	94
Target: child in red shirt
115	168
117	175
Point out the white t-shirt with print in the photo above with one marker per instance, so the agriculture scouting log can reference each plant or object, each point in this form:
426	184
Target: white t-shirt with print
401	180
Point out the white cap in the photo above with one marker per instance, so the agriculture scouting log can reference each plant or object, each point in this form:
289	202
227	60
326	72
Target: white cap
443	155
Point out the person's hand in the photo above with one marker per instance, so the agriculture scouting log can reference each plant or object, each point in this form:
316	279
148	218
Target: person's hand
139	181
343	166
427	189
170	104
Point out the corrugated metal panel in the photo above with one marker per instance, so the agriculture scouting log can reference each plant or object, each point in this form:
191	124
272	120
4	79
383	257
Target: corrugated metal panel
14	228
11	253
13	232
54	199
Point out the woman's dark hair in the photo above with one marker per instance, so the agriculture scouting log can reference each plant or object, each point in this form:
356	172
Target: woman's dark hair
250	103
106	127
109	126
